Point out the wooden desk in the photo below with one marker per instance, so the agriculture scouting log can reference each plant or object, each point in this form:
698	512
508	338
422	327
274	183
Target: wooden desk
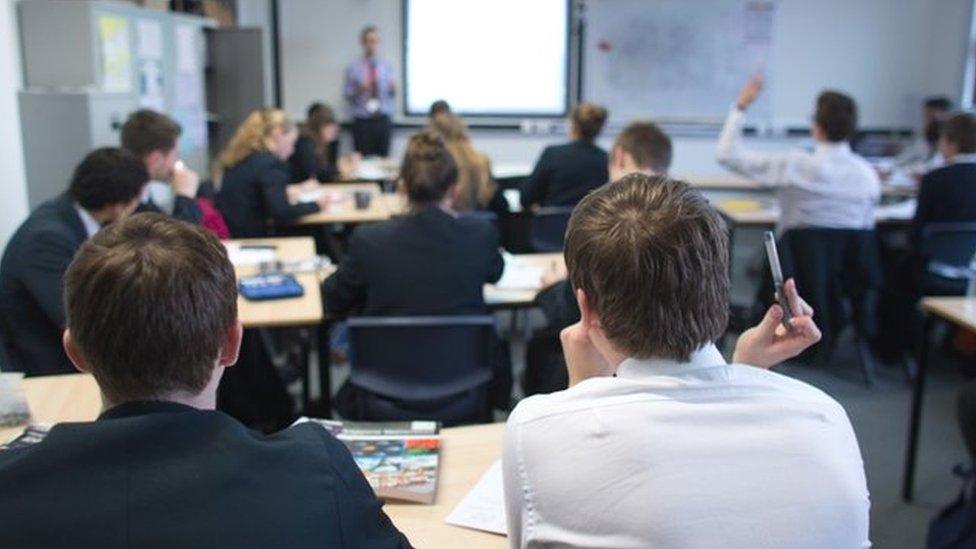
344	211
960	311
765	212
467	452
298	311
503	298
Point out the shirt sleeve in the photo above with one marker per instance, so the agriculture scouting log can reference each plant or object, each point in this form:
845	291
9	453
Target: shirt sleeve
512	483
345	291
351	82
273	182
187	209
766	169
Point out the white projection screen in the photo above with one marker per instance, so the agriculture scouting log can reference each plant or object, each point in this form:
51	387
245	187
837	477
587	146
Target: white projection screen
487	57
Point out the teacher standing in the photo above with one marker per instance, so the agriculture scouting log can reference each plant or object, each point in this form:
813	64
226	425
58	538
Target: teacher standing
369	90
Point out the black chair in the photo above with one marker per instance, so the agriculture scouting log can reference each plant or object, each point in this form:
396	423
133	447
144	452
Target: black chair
547	228
838	271
947	250
407	368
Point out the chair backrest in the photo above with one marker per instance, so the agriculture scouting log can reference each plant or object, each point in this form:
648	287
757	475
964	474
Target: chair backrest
948	248
831	265
547	229
482	215
421	358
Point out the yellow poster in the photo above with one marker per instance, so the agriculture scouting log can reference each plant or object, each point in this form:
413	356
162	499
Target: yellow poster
113	32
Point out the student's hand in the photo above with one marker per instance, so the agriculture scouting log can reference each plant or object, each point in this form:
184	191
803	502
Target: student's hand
769	343
349	165
583	361
749	92
185	182
556	273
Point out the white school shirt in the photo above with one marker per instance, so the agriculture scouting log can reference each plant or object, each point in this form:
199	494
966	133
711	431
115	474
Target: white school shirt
831	187
91	225
701	454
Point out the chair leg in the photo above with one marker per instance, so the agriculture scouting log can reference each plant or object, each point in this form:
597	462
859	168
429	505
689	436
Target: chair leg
867	360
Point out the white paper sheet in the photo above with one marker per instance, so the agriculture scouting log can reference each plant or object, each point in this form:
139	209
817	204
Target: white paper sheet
483	508
247	257
520	277
150	39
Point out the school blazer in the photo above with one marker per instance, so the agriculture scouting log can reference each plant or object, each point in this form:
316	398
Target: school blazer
427	263
564	174
162	474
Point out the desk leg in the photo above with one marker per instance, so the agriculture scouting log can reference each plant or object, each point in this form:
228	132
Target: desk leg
317	357
908	480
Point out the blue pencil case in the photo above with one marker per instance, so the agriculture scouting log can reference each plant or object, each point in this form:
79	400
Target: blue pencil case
269	286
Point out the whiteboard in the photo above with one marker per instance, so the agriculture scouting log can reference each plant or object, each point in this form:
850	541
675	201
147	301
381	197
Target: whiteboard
681	60
452	51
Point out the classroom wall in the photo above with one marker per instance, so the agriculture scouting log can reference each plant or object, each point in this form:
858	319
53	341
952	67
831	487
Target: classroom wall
13	183
887	53
257	13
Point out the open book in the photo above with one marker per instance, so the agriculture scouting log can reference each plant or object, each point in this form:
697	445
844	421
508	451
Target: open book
399	459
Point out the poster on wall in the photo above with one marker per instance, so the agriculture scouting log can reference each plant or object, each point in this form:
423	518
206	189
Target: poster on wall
113	33
149	53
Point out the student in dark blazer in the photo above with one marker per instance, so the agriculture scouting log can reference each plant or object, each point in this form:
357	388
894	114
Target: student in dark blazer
948	194
315	155
255	177
429	262
152	137
160	467
565	173
105	187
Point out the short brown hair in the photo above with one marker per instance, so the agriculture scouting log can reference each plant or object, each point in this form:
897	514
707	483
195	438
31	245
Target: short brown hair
836	115
428	169
960	128
589	119
146	131
652	257
149	300
648	145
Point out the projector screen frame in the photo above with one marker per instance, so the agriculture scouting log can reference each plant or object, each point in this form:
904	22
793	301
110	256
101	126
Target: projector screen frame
567	70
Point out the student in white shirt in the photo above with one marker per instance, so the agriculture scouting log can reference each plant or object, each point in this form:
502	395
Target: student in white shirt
831	187
658	442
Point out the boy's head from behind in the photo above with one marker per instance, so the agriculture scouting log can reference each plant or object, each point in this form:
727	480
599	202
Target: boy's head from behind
836	117
151	306
641	146
957	135
651	258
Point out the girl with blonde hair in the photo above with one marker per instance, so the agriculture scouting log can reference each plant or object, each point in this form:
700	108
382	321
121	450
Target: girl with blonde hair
254	175
475	187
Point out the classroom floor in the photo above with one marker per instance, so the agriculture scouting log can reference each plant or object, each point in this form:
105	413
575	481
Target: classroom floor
879	415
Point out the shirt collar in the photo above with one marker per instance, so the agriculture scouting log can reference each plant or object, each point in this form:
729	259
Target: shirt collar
967	158
841	147
144	407
91	225
635	368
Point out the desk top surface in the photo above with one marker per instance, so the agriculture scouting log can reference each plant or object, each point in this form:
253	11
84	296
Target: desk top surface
343	208
958	310
467	452
298	311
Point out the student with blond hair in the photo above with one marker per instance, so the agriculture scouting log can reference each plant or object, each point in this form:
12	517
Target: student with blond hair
565	173
254	175
475	187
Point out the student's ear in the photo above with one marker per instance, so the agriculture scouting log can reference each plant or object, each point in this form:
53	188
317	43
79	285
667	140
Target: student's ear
231	348
588	317
74	354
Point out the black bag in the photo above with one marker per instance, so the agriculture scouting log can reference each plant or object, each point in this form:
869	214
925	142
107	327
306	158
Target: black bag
955	526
